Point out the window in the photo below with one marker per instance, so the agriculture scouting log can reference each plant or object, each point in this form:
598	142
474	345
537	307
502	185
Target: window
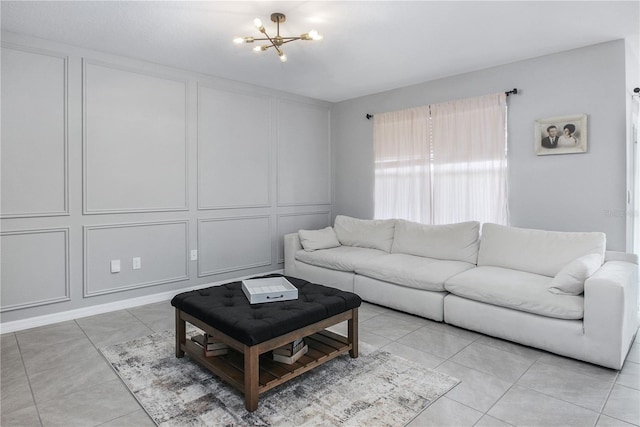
443	163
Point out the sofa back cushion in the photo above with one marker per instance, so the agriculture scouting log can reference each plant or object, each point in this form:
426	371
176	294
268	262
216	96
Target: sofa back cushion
365	233
457	242
535	251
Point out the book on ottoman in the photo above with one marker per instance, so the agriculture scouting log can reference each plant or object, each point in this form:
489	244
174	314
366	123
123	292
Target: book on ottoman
291	348
289	360
210	346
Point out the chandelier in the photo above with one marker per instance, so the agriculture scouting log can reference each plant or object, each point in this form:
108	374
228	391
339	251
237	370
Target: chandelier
277	41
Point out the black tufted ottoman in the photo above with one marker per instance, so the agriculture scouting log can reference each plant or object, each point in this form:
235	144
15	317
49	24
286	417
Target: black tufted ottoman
252	330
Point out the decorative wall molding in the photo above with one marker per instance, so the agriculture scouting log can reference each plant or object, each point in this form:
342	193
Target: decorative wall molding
65	142
67	287
297	106
85	257
238	266
267	139
87	210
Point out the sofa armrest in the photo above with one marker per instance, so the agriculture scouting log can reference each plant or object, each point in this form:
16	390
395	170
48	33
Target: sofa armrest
620	256
291	246
611	306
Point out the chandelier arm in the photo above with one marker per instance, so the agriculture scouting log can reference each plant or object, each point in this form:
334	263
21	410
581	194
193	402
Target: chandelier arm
272	42
289	39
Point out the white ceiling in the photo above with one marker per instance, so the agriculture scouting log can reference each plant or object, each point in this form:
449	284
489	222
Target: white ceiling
369	46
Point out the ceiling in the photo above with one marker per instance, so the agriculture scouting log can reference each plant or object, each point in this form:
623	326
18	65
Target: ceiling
368	46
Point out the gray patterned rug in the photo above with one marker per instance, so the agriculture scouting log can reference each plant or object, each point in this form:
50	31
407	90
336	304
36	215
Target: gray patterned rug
375	389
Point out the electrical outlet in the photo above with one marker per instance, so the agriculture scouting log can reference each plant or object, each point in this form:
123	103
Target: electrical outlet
194	254
137	263
115	266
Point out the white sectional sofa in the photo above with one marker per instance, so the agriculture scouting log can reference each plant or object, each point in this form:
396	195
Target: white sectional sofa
558	291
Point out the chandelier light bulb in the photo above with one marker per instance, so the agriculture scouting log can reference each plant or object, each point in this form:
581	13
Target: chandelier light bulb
238	40
313	34
283	57
257	22
259	48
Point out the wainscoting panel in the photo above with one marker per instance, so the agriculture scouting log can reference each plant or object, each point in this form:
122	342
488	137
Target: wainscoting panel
234	146
304	167
135	144
34	133
35	268
291	223
231	244
161	246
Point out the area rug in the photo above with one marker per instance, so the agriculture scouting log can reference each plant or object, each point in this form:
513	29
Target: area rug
376	389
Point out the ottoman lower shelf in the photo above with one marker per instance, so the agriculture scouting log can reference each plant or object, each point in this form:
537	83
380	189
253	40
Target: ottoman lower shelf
323	346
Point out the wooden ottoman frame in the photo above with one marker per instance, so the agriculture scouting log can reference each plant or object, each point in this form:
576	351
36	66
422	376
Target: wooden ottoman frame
250	370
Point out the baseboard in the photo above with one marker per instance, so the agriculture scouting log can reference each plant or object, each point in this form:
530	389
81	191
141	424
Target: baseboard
49	319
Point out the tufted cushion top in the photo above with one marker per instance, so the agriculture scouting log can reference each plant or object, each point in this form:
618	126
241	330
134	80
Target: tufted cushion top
227	309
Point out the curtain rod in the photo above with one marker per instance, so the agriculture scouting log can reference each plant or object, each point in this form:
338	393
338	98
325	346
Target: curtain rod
513	91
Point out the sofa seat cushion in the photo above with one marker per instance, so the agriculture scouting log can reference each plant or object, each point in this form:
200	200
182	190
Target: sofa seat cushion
342	258
412	271
514	289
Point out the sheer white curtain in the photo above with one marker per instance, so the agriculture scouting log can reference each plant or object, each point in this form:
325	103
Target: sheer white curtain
401	153
469	162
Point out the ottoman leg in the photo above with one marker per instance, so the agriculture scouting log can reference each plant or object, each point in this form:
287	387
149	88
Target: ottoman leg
181	334
352	333
251	377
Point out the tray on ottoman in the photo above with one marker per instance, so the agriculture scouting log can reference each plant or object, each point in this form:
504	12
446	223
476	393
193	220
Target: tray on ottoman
252	330
269	289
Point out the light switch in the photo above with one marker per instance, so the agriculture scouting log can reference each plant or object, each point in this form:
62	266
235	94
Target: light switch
194	255
137	263
115	266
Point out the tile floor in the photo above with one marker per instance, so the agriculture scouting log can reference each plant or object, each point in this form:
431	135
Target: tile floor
55	375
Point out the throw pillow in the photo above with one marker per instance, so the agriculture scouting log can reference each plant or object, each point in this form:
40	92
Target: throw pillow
570	280
312	240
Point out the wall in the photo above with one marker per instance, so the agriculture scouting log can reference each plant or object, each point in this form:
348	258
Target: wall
573	192
108	158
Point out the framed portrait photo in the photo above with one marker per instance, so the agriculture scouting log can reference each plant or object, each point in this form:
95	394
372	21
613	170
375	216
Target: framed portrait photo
561	135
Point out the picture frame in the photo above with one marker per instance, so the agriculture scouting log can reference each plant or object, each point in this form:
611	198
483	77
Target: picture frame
561	135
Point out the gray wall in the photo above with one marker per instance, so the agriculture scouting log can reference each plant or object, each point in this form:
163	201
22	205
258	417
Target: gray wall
573	192
108	158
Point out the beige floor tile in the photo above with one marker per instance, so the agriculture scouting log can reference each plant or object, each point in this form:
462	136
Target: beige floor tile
446	412
623	404
427	360
113	328
438	343
89	407
54	383
390	327
524	407
158	317
574	365
15	394
629	375
572	387
493	361
27	417
606	421
477	390
34	339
